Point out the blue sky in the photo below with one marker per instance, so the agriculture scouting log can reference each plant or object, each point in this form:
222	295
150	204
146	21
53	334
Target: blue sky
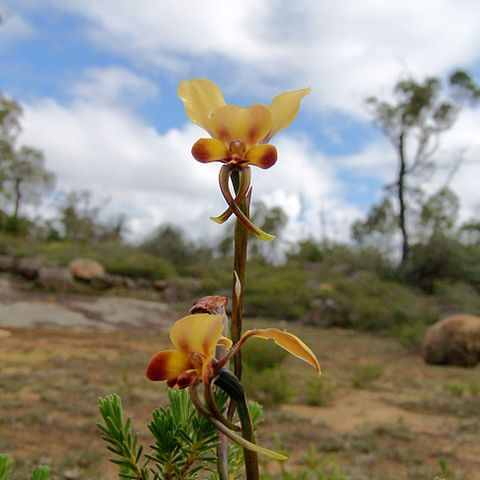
98	81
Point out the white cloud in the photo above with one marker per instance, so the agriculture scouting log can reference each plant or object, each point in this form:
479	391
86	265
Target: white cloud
152	178
13	28
114	85
344	50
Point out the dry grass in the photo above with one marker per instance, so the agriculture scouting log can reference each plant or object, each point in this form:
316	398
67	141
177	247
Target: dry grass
396	427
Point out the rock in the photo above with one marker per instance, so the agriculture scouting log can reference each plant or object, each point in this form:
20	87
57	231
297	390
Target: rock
143	283
55	278
6	263
108	281
182	289
28	267
160	285
326	312
86	269
453	341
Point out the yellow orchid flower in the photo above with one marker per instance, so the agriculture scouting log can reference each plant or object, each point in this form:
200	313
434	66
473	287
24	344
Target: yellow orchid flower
195	338
240	137
239	134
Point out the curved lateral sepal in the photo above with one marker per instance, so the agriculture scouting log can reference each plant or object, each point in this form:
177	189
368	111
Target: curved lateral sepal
224	176
244	189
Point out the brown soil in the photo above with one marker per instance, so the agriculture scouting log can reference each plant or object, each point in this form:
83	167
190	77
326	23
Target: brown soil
52	370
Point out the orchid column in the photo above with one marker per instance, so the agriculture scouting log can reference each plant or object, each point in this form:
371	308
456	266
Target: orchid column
239	138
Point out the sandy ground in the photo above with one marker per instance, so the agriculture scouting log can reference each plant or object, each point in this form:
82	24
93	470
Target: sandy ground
59	352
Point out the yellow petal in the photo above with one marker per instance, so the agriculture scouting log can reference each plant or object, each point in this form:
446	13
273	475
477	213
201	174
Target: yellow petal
167	365
248	124
197	333
208	150
284	108
289	342
263	156
200	96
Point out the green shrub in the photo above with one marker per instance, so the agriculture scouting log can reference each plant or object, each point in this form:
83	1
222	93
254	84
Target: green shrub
373	304
319	392
117	258
271	386
364	375
262	354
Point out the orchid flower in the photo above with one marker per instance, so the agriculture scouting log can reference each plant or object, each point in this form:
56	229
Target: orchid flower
240	136
195	338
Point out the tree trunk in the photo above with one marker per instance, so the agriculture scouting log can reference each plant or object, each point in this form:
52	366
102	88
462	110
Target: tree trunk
18	197
402	222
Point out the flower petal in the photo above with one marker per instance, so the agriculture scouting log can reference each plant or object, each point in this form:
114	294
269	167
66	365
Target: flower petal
167	365
200	96
208	150
288	341
284	108
263	156
248	124
198	333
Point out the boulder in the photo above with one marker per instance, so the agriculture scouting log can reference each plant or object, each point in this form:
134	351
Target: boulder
86	269
108	281
453	341
28	267
6	263
55	278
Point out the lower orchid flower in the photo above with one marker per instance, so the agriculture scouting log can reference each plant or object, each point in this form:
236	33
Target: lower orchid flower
195	338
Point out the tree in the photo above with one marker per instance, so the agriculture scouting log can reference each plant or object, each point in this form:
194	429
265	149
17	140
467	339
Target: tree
413	124
379	227
26	178
168	241
10	112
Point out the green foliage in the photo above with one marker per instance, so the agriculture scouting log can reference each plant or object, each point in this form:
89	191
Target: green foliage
271	386
41	473
370	303
121	441
117	258
169	241
6	467
319	392
261	355
314	467
184	439
364	375
277	292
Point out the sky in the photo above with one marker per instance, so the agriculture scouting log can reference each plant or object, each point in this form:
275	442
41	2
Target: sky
97	80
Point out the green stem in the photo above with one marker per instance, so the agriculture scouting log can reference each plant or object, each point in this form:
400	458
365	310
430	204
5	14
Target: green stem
239	269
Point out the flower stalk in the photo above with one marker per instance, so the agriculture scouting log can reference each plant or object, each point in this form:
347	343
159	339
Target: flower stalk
239	271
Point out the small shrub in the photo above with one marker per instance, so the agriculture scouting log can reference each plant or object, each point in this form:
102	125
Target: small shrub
269	387
319	392
261	355
364	375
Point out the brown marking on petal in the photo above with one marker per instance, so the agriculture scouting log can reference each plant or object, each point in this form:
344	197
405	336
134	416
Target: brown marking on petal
186	379
156	370
172	382
182	345
253	134
207	343
222	134
213	304
200	152
268	159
